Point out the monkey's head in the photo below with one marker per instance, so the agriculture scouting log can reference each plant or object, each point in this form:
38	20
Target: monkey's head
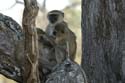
55	16
59	33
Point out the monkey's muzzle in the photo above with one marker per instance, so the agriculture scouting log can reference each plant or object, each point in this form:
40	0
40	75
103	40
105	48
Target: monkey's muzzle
53	18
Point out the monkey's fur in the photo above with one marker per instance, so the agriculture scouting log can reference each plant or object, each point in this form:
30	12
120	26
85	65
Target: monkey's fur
47	56
59	31
50	54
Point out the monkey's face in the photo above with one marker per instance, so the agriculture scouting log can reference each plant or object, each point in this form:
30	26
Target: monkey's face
53	18
59	33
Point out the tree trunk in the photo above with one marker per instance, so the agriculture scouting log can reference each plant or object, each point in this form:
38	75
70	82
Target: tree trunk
31	73
103	32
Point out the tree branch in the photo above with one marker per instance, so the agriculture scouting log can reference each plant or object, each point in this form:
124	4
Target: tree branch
11	72
16	2
19	2
31	74
9	66
43	7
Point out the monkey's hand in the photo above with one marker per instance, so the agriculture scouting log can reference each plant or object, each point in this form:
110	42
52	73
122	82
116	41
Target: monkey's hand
46	40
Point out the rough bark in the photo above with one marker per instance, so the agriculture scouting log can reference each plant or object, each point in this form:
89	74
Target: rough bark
12	49
103	32
67	72
10	36
31	72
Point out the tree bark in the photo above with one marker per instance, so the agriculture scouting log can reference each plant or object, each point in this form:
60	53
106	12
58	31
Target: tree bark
31	73
103	33
10	37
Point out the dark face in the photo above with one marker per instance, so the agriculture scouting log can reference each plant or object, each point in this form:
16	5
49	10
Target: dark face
53	18
59	30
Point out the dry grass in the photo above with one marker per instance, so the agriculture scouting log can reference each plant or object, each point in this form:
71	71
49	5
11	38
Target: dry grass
5	80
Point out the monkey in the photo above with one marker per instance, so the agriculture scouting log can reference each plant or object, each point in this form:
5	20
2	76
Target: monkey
54	17
62	36
50	54
59	31
46	45
47	56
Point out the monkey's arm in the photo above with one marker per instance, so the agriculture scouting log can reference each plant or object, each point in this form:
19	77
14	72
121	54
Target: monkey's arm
44	38
49	30
48	40
72	43
73	47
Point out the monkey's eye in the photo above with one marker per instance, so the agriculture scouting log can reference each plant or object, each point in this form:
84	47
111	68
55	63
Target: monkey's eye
54	15
54	33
